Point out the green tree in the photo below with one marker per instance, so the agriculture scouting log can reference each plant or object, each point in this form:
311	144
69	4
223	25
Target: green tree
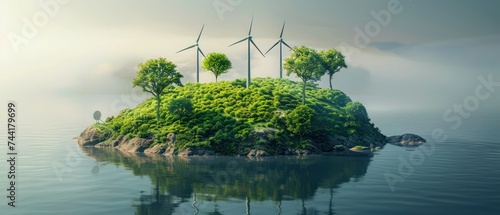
333	61
357	111
306	63
181	107
156	75
217	63
299	121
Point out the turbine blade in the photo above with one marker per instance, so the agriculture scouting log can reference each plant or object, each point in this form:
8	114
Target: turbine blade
282	29
257	47
286	44
201	52
251	24
186	48
238	42
272	47
199	36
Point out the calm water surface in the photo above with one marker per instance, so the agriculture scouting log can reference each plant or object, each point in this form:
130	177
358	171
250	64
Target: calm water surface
458	176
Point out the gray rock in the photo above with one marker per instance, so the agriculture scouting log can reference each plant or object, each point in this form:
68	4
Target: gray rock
406	140
326	146
157	149
257	153
303	152
170	151
196	152
368	141
340	140
135	144
186	152
353	140
92	136
114	143
364	150
339	148
172	137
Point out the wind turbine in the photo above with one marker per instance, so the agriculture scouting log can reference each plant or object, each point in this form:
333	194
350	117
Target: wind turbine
250	40
281	42
198	51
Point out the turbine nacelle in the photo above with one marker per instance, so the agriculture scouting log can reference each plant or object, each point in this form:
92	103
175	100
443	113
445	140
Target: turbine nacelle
198	51
281	42
249	40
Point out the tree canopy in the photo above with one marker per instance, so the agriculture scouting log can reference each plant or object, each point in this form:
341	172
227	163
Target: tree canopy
305	63
333	61
156	75
217	63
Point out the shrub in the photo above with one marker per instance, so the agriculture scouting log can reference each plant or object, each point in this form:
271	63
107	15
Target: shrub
299	121
181	107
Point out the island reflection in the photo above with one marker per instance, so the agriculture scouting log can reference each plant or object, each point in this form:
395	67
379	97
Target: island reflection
205	183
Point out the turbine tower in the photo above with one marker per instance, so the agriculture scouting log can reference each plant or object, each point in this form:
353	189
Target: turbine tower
198	52
281	42
250	40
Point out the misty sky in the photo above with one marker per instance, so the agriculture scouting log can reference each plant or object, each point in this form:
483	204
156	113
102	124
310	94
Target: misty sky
429	54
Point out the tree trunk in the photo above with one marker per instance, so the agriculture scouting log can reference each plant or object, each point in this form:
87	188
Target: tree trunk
158	101
216	79
330	206
247	204
331	76
304	92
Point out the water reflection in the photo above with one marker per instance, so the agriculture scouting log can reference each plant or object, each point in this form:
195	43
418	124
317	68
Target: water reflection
207	185
155	203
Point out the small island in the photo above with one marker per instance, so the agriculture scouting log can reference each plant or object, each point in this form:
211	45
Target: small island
228	119
272	116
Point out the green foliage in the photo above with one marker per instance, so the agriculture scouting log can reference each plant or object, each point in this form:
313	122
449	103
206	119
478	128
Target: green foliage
156	75
306	63
225	115
217	63
181	107
333	61
357	120
357	111
299	121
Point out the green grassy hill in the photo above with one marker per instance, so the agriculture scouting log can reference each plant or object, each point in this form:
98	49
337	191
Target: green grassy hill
231	119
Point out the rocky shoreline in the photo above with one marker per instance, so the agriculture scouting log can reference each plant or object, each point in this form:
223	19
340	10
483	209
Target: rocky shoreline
337	146
410	140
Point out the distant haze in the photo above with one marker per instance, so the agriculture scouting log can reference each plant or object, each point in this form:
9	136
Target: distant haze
428	55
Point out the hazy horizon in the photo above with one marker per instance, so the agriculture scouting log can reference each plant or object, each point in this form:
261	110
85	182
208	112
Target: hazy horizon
428	55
